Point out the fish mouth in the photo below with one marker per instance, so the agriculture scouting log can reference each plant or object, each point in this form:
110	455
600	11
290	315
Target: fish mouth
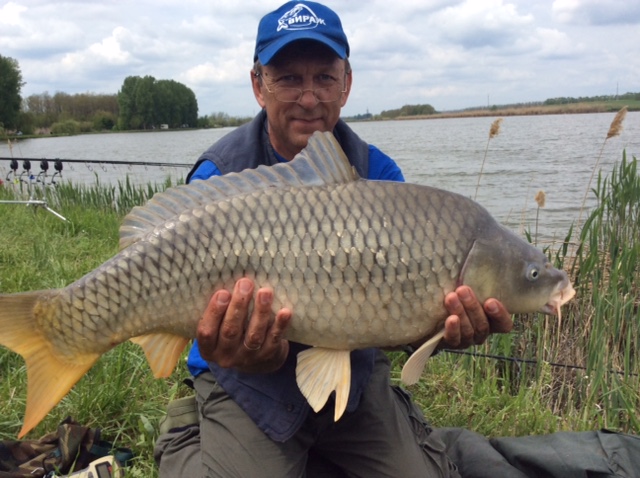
562	293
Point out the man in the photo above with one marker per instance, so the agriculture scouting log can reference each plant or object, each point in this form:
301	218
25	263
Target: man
253	421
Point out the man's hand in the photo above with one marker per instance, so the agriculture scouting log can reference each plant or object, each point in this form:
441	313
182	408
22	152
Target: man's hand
470	322
227	336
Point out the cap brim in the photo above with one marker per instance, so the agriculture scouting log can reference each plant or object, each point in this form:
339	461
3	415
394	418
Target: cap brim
266	55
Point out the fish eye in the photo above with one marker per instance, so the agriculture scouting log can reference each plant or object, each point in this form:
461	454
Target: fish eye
533	273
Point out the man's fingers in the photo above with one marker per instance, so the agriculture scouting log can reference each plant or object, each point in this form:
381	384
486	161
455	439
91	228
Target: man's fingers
282	321
451	332
209	324
466	333
475	313
233	324
500	319
260	320
275	337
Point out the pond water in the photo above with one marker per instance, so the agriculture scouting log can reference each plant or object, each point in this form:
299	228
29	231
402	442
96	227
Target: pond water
553	153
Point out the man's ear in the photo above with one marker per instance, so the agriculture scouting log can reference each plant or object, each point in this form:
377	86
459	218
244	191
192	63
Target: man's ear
256	84
345	95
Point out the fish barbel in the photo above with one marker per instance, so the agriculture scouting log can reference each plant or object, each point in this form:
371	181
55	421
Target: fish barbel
361	264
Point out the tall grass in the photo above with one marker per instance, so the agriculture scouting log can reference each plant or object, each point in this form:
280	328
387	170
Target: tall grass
582	373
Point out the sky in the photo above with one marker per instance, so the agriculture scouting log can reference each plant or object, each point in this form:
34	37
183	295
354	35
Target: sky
450	54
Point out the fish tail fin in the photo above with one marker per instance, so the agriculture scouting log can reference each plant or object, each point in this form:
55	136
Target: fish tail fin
415	365
49	377
162	350
319	372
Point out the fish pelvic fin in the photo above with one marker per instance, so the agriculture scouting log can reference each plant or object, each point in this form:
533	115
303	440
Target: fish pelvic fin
50	376
162	350
321	371
415	365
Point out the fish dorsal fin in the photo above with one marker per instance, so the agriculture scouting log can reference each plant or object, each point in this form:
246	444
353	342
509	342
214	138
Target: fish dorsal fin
322	162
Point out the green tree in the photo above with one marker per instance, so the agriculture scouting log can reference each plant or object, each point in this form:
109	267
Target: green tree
10	86
409	110
144	101
26	123
126	102
147	102
104	120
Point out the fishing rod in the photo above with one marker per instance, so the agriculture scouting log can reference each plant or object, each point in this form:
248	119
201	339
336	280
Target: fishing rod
102	161
519	361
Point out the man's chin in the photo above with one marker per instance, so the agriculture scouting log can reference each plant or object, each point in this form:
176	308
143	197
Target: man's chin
302	137
302	127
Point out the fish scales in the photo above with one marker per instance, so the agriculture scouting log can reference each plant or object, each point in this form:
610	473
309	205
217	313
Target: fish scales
345	254
360	263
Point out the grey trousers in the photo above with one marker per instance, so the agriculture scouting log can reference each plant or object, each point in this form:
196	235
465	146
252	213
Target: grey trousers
387	436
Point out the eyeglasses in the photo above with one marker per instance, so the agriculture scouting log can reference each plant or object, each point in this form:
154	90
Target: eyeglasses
324	94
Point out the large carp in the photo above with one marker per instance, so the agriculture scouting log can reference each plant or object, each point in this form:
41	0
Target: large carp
361	264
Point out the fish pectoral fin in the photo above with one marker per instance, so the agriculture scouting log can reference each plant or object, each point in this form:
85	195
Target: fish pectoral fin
49	379
319	372
415	365
162	350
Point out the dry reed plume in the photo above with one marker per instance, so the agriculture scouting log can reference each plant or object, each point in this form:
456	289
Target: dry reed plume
540	199
616	124
614	130
493	132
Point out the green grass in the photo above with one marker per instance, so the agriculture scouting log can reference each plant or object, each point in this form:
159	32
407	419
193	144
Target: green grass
39	251
600	330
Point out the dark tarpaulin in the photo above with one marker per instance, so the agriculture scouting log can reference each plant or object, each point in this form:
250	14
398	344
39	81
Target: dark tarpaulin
592	454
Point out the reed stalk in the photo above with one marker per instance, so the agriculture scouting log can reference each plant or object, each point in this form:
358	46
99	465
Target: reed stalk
614	130
493	132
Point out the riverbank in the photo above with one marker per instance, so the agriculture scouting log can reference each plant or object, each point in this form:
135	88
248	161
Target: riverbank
611	106
534	110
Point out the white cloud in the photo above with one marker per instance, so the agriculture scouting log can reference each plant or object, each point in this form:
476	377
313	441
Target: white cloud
109	48
450	53
10	13
597	12
220	72
476	24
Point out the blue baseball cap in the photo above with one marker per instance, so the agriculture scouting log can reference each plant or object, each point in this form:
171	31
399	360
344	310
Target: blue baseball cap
295	21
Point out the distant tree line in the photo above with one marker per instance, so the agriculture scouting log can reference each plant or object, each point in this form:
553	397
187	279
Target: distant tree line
409	110
359	117
65	113
591	99
221	120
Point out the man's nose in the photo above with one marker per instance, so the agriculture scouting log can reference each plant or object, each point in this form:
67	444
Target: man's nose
308	98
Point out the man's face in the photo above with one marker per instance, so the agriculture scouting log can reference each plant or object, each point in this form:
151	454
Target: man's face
306	66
